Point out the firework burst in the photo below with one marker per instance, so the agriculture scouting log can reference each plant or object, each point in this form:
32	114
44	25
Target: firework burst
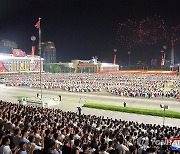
152	30
127	33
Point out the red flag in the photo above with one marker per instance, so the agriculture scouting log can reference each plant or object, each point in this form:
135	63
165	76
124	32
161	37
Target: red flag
37	25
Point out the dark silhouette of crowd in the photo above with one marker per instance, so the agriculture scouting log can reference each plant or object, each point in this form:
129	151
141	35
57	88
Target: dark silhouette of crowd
34	130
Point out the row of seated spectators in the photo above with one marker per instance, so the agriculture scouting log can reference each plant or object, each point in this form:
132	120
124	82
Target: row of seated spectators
33	130
155	85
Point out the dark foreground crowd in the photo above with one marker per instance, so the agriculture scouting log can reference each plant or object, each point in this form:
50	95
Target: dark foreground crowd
34	130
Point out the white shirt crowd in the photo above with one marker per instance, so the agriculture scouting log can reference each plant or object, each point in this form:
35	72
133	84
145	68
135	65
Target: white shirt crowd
130	85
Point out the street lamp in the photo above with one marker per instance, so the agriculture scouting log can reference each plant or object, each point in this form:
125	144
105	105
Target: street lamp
129	53
79	100
147	68
85	99
164	107
121	67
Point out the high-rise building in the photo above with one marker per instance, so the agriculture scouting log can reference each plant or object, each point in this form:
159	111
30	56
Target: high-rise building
48	52
6	46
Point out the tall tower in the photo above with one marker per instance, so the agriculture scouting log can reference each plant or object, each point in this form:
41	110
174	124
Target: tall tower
49	52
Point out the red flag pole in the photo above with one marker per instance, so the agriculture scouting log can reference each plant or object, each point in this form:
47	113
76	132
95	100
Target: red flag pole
38	25
40	53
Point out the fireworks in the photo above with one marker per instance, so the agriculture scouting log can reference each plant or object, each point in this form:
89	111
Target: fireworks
149	31
175	34
152	30
127	33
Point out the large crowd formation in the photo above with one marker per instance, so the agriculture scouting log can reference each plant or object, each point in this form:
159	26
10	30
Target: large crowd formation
33	130
130	85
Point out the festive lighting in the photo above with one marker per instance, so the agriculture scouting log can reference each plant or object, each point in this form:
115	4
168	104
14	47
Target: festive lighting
127	33
175	33
149	31
152	30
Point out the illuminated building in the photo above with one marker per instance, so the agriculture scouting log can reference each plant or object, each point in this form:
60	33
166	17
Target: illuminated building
90	66
10	63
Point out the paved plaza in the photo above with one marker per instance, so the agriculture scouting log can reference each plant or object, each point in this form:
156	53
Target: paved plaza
70	102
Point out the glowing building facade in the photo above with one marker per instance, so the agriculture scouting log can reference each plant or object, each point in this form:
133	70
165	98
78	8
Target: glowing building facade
14	63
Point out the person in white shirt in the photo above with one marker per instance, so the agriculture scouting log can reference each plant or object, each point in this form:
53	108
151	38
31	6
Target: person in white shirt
57	139
104	148
24	137
32	143
5	148
121	147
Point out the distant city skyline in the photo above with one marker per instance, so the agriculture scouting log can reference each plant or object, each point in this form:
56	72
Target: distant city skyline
81	29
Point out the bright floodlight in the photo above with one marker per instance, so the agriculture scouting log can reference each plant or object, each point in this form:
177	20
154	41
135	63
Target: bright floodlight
164	106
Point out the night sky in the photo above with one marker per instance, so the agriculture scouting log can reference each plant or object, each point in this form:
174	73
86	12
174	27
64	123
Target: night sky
81	29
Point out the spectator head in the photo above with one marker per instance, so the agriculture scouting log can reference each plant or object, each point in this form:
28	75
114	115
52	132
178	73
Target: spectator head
31	139
23	146
77	142
132	149
47	132
52	145
2	126
5	140
103	147
17	131
56	136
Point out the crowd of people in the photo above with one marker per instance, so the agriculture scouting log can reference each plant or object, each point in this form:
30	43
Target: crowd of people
134	85
34	130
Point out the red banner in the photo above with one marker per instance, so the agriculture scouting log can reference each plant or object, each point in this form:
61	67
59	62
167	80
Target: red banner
37	67
18	53
2	67
114	59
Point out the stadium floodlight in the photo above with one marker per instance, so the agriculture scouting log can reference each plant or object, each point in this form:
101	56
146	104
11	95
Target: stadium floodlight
164	107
